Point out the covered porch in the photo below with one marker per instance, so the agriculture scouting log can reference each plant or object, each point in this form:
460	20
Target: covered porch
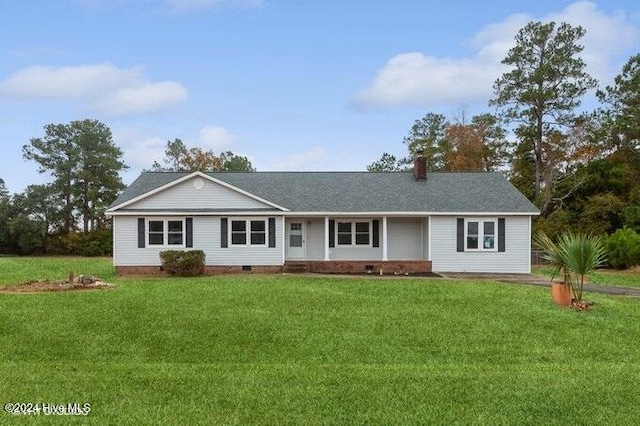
357	244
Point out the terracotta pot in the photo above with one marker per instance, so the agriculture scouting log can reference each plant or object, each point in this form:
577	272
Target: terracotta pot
561	294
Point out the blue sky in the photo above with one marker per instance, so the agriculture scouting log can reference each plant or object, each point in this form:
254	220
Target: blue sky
294	85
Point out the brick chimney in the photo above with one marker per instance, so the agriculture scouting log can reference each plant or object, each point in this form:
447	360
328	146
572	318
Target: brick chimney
420	166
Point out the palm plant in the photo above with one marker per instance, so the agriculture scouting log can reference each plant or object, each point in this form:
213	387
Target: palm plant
575	255
553	254
583	254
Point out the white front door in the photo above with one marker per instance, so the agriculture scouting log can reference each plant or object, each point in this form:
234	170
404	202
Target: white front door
296	241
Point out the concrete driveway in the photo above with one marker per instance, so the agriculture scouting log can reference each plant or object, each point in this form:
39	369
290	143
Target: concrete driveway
539	280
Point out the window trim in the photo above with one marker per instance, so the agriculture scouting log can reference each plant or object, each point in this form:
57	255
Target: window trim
481	223
165	231
353	233
248	232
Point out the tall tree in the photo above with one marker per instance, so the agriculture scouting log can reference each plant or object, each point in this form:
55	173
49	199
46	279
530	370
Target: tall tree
427	134
542	91
479	145
497	149
84	162
204	161
41	204
386	163
180	159
622	117
99	162
57	154
174	155
236	163
465	149
4	192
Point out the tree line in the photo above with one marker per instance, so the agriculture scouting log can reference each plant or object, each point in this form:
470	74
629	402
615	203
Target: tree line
580	168
67	215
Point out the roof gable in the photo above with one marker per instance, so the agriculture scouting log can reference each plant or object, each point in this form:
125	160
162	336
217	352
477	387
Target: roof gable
187	191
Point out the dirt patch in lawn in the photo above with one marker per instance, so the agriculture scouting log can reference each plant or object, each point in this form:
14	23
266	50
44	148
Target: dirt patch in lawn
74	283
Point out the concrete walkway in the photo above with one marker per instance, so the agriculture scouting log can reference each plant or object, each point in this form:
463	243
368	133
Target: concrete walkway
539	280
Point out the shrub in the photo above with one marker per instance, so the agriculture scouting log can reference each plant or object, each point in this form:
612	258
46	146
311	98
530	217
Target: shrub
188	263
92	243
623	248
632	217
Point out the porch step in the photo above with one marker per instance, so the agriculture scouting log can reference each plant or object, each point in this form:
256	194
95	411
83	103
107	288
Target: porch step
295	267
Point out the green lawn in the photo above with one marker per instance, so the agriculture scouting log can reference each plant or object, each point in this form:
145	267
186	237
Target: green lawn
630	278
284	349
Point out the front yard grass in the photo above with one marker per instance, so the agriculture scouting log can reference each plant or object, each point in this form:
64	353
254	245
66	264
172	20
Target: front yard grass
604	277
310	350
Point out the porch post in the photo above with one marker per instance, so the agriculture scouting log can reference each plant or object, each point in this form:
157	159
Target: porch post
284	239
326	238
384	239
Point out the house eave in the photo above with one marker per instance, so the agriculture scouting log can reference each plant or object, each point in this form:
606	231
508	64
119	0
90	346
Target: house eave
308	213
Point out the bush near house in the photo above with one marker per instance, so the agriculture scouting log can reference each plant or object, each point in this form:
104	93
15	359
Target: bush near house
623	248
183	263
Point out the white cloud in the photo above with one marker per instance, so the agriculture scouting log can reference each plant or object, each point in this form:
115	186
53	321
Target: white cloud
312	159
145	98
139	149
216	138
417	79
103	87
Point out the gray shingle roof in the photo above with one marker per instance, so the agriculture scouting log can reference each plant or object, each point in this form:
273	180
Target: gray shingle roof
363	191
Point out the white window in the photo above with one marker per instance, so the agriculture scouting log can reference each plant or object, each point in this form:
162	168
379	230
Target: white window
344	233
258	232
480	235
239	232
249	232
165	232
353	233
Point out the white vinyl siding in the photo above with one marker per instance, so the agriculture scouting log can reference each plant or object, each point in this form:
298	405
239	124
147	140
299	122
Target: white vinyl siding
445	257
206	237
185	196
404	239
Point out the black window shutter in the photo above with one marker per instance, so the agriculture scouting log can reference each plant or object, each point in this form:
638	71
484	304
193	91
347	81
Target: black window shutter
272	232
460	234
501	229
141	232
332	233
376	233
189	237
223	233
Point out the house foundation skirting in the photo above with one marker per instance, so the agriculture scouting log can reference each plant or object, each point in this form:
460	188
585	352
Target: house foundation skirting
208	270
362	266
320	267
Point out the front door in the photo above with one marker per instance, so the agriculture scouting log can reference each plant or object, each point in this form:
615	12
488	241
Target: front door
296	241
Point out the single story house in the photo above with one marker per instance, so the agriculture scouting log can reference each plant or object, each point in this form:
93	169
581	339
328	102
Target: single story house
346	222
